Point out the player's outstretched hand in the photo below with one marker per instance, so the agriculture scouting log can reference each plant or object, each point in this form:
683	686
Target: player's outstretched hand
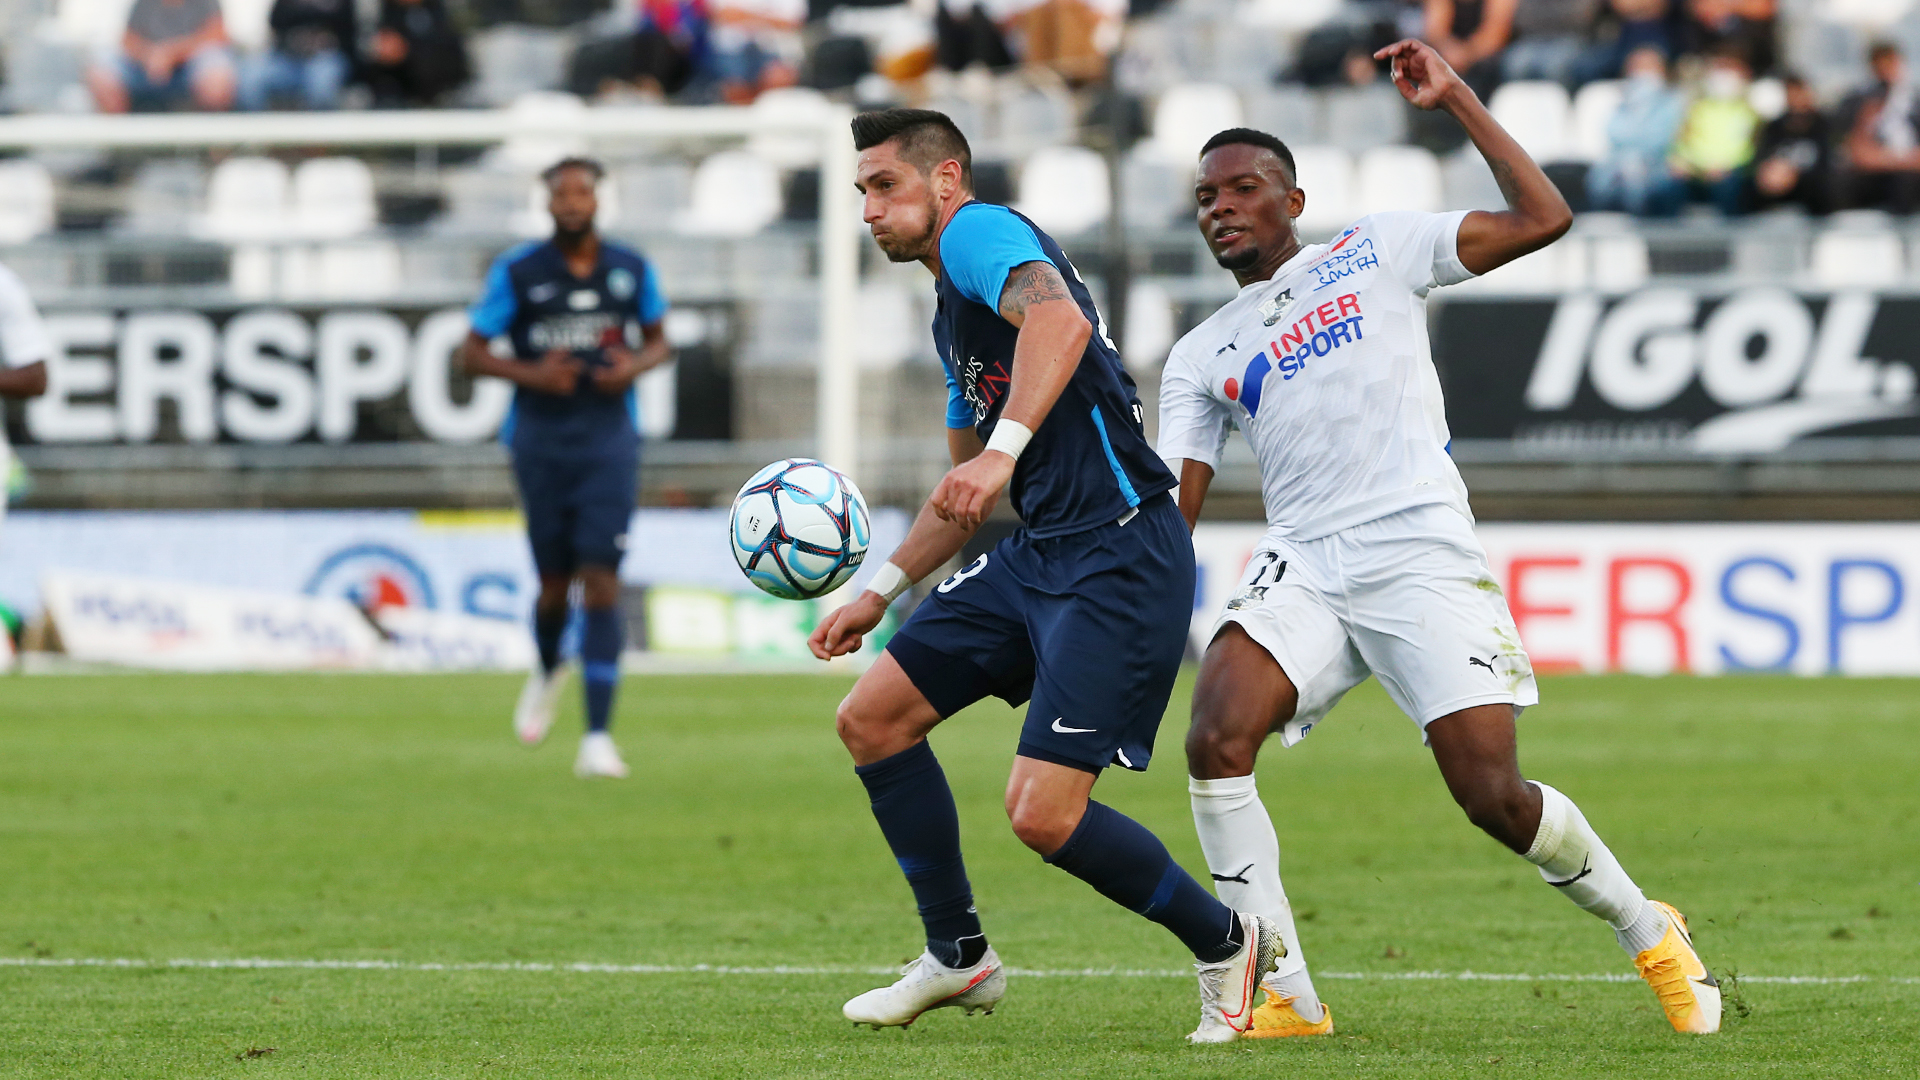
967	494
1422	76
557	372
846	626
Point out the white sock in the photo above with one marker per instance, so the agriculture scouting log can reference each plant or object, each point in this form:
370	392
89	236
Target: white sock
1572	859
1243	855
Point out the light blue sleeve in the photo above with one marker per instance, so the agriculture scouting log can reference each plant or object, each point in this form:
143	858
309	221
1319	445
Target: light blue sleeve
492	314
653	302
981	245
959	413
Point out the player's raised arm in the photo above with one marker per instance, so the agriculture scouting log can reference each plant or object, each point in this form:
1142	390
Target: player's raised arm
1536	215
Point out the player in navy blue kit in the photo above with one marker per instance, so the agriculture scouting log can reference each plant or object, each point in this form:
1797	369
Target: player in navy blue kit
584	319
1083	613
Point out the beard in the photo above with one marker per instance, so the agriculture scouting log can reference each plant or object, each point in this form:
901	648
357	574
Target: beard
1241	259
571	237
903	248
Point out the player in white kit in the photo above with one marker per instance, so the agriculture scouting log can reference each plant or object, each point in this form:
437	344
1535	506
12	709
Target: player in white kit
23	359
1369	564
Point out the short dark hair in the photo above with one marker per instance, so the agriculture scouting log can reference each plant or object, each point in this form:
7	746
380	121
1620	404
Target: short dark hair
926	138
1250	137
586	164
1882	48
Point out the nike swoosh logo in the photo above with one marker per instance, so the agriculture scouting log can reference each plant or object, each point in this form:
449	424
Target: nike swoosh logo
1068	730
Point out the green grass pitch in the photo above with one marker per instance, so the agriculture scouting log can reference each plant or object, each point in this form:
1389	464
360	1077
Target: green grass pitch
393	819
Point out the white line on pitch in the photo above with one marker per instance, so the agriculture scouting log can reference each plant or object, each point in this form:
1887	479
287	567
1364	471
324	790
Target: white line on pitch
271	964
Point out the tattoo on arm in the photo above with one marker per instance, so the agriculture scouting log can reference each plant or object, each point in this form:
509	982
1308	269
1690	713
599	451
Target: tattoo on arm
1029	284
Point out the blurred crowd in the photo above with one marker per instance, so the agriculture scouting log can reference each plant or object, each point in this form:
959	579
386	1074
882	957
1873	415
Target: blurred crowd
1707	114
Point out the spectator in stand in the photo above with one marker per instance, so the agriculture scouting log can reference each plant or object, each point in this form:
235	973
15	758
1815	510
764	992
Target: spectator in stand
667	48
756	46
1072	37
1884	147
1621	27
310	58
1471	35
1549	38
1633	174
1794	161
416	56
1744	28
966	33
1711	156
174	53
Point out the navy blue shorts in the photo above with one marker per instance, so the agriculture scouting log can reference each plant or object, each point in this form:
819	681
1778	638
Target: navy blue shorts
578	509
1090	626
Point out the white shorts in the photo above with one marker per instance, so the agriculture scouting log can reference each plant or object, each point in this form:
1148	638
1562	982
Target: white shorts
1407	598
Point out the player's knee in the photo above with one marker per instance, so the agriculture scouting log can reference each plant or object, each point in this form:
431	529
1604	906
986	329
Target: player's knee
1040	826
1216	749
1498	811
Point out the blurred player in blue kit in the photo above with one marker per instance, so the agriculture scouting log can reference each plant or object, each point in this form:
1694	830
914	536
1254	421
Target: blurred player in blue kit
1083	612
583	316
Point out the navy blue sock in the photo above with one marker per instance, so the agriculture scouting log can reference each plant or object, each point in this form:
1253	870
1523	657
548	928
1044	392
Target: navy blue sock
600	646
1131	867
914	806
548	626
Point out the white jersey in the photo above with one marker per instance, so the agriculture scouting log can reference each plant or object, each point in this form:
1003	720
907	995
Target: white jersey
23	340
1326	369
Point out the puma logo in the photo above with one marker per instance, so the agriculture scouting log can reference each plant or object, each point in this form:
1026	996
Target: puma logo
1483	663
1586	867
1240	877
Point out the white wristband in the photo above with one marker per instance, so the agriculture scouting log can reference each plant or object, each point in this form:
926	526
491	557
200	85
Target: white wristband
889	581
1010	437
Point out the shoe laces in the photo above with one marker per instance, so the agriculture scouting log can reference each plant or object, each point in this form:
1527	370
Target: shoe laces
1212	985
1668	978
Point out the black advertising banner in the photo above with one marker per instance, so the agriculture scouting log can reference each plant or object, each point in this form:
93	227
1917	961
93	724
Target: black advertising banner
1746	371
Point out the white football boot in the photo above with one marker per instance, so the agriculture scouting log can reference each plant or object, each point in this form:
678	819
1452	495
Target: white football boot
1227	988
926	984
599	757
539	700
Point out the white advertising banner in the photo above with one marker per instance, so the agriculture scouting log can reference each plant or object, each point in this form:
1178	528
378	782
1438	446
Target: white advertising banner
1707	599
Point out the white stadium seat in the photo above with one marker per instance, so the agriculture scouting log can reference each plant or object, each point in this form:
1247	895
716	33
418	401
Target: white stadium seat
1398	178
1065	189
1287	16
1326	175
1869	15
1854	253
165	195
26	200
333	198
538	143
1537	114
1189	114
735	193
652	194
247	200
1593	109
796	109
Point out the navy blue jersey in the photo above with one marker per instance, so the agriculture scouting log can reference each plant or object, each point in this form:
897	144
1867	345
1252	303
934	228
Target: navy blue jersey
534	299
1090	462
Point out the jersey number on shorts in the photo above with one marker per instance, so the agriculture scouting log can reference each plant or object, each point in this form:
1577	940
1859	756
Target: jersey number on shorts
962	574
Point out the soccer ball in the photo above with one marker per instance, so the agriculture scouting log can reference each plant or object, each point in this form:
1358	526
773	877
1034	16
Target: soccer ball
800	529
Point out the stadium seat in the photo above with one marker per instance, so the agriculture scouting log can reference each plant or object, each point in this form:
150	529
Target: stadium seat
1360	118
246	200
1151	329
652	194
246	23
1860	249
1289	112
26	200
1618	261
1035	116
513	60
796	110
92	22
1155	194
1867	15
333	198
889	325
1398	178
1188	115
542	117
1593	109
1287	16
164	196
735	193
1537	114
44	71
1468	184
481	200
1326	175
1065	189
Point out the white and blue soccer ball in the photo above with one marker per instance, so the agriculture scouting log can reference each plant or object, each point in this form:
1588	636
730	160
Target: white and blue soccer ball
800	529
